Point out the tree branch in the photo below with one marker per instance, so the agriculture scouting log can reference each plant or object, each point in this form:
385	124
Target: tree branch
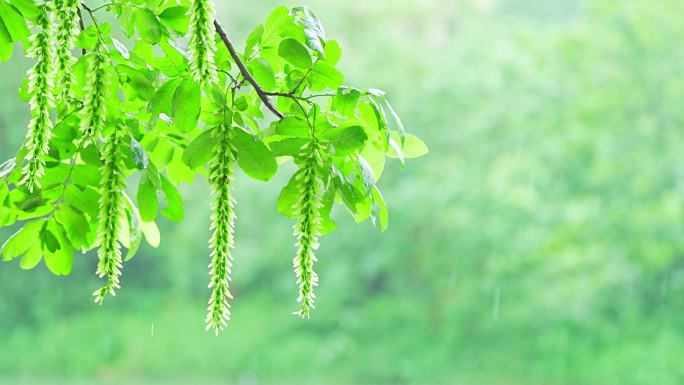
81	24
233	53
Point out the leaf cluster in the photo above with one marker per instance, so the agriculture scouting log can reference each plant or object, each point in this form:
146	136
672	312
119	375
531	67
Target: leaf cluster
152	98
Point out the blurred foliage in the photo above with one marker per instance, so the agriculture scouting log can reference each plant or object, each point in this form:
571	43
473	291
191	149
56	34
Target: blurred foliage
539	243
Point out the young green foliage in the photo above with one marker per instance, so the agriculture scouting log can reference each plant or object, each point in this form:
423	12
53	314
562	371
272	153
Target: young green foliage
40	87
152	109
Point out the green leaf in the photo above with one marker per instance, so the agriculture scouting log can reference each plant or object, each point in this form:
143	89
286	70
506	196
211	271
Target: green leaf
85	175
376	158
124	230
345	140
174	201
200	150
50	242
346	100
32	257
327	201
176	18
263	73
20	241
86	199
367	176
142	161
273	25
413	147
397	120
151	233
292	126
135	233
313	29
295	53
6	46
325	75
380	209
139	81
121	48
28	8
178	171
162	100
241	103
60	260
75	224
148	204
254	158
288	198
287	146
149	27
87	38
253	40
357	202
15	23
7	167
333	52
186	105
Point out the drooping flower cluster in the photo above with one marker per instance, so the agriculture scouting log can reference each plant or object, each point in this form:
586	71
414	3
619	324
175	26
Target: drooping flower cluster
40	87
67	31
95	108
308	227
221	170
201	42
111	211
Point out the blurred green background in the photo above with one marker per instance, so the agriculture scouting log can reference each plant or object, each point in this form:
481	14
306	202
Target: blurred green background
540	242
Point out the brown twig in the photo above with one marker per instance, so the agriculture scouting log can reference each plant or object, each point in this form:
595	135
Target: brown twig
82	25
245	72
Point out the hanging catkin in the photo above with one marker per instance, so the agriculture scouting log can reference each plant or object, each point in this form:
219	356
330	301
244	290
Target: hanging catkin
201	43
221	172
111	212
94	106
307	229
67	31
40	87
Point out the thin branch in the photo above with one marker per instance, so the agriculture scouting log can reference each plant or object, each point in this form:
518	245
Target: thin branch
82	25
245	73
294	96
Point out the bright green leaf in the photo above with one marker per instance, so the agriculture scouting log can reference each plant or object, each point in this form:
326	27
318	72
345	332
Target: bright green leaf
295	53
254	158
200	150
174	201
186	105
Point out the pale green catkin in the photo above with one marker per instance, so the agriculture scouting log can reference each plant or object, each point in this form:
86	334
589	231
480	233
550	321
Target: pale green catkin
308	227
40	87
221	170
201	41
67	32
94	106
111	211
